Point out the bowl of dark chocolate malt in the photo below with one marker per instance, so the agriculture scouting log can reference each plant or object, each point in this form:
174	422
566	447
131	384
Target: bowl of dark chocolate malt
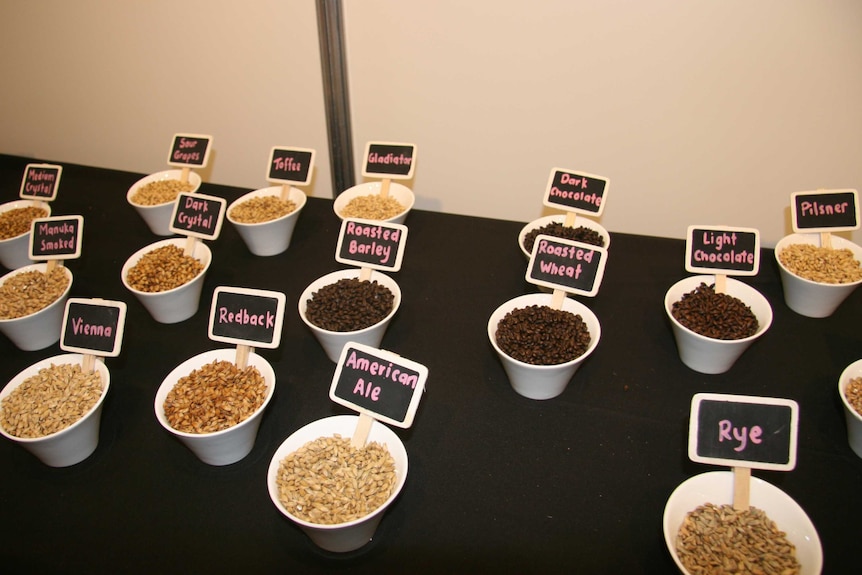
816	279
850	390
32	303
334	492
214	407
584	230
540	347
153	197
53	409
705	534
265	218
16	219
365	201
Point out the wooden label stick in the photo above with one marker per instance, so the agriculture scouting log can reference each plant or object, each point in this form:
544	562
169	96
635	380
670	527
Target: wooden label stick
184	175
570	219
190	246
826	240
242	353
720	283
364	274
285	192
741	488
360	434
384	188
88	363
558	299
50	265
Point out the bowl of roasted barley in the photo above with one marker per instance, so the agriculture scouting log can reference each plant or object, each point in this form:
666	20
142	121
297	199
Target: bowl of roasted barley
53	409
16	219
705	534
32	303
167	282
364	201
334	492
265	218
153	197
850	390
214	407
584	230
816	279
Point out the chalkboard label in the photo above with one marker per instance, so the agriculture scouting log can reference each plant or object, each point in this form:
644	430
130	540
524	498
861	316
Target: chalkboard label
40	182
290	165
389	160
198	215
190	151
824	211
380	383
93	326
567	265
743	431
576	191
247	316
56	238
720	249
371	244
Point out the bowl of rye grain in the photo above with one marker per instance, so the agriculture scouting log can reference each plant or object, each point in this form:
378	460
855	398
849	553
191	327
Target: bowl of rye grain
850	390
153	197
53	409
32	303
364	201
350	488
584	230
16	219
213	407
265	218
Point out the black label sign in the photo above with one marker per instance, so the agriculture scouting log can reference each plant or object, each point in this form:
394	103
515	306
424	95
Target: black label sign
41	182
198	215
564	264
825	211
390	160
372	244
247	317
576	191
93	326
190	150
731	251
290	165
56	238
729	429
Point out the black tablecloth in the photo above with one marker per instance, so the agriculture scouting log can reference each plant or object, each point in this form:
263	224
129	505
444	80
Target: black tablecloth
497	482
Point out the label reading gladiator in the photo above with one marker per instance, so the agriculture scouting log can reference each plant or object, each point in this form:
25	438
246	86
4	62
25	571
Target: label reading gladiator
190	151
40	182
198	215
371	244
720	249
244	316
380	383
824	211
389	160
290	165
93	326
576	191
56	238
567	265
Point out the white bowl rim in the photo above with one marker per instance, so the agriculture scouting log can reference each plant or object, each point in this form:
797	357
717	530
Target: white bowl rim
561	218
36	267
297	196
180	242
852	371
22	203
366	189
194	177
814	239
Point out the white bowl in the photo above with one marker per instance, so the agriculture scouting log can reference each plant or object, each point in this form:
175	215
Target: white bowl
542	381
15	252
810	298
271	237
400	192
334	341
561	219
42	328
351	535
178	304
851	416
716	487
158	216
707	354
228	445
74	443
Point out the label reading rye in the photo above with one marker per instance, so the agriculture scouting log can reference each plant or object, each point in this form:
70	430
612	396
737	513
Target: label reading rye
290	165
371	244
824	211
576	191
40	182
93	326
56	238
247	316
389	160
198	215
380	383
567	265
760	432
190	151
720	249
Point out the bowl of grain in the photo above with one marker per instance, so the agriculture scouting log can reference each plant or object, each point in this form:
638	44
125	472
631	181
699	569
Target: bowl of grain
364	201
53	409
584	230
540	347
213	407
32	303
351	489
850	390
340	308
153	197
16	219
712	330
265	220
817	279
167	282
699	511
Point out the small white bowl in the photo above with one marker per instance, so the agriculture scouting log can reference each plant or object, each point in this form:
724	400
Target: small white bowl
561	219
851	416
716	487
271	237
40	329
74	443
351	535
15	252
158	216
400	192
228	445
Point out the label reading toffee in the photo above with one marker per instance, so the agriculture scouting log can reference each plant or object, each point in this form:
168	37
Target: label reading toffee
290	165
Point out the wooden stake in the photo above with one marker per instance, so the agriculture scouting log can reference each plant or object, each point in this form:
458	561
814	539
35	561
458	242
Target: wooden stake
184	175
720	283
364	274
558	299
741	488
190	246
384	188
50	265
88	363
242	353
826	240
570	219
363	427
285	192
